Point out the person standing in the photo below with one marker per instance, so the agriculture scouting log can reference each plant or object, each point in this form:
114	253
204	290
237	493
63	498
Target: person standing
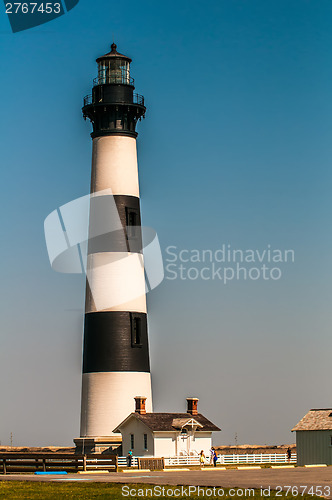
201	458
289	454
211	455
215	458
129	458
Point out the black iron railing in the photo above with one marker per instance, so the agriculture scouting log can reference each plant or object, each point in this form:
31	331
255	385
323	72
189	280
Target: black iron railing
87	100
137	99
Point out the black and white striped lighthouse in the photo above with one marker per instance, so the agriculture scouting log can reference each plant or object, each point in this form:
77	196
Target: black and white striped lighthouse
115	353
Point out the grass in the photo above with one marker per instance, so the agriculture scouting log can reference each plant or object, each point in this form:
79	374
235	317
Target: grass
24	490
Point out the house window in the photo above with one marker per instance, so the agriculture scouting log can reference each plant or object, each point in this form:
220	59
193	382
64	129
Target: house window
330	440
145	441
132	441
131	222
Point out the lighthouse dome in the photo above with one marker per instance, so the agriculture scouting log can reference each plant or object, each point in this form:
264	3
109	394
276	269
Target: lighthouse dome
113	54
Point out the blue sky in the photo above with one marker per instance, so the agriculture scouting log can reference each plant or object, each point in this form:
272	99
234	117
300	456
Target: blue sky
235	149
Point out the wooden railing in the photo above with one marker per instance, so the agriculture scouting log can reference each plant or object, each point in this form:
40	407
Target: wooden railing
151	463
55	462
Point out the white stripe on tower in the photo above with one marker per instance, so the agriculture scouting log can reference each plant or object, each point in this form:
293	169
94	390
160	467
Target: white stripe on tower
116	364
114	165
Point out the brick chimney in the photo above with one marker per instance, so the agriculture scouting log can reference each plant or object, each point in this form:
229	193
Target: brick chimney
140	405
192	406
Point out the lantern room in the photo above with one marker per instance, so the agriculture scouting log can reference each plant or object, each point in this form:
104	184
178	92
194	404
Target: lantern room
114	68
113	107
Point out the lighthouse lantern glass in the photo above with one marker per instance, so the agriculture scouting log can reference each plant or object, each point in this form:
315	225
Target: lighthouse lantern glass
113	70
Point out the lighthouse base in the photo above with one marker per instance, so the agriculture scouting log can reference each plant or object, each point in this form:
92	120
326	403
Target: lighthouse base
108	398
98	444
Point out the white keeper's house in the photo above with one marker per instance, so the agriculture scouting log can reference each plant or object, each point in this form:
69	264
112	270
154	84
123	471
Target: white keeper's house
166	434
314	437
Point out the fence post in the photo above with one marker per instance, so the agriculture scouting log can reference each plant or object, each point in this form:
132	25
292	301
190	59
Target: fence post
84	463
116	463
4	466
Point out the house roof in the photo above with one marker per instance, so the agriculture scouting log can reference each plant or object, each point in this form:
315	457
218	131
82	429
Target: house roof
170	421
315	420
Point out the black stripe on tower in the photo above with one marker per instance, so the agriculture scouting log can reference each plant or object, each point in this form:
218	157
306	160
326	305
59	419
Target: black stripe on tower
115	341
103	215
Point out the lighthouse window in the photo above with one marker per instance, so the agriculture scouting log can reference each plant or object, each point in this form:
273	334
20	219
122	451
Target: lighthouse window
105	122
138	329
131	222
102	73
114	71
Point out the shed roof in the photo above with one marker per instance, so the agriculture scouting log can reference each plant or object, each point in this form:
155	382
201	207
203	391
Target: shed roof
166	421
315	420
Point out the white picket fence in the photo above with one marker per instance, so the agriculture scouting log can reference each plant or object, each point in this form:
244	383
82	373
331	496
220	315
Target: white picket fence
122	462
255	458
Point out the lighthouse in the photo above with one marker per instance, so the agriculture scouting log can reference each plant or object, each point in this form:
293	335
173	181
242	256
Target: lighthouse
116	365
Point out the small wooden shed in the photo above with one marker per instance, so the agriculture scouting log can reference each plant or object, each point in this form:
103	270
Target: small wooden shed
314	437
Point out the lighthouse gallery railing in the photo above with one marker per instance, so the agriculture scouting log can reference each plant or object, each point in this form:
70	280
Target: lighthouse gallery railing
137	99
